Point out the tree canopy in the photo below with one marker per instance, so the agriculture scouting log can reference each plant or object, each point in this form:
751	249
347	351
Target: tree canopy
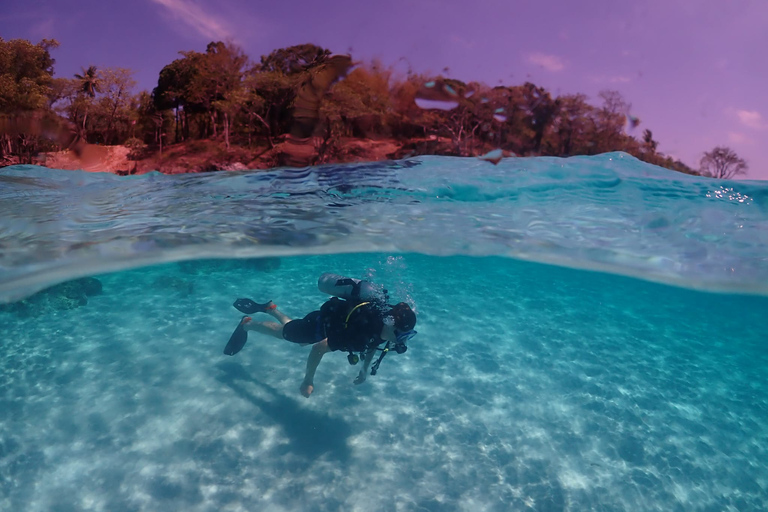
26	88
722	163
294	59
26	74
306	91
89	81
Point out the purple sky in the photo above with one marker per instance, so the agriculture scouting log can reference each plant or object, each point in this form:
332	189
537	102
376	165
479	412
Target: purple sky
695	71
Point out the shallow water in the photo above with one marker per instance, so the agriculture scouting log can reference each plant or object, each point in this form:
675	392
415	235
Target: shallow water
528	387
610	212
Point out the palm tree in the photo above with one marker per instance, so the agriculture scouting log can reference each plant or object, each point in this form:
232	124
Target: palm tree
89	86
649	144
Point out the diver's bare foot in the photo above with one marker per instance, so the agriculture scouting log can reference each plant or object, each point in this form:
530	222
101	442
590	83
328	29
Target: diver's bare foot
306	389
246	323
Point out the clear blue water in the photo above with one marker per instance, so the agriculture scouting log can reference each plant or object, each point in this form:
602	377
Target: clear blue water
530	386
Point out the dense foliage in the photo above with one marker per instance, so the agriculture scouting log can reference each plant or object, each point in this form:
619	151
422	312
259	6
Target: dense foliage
26	87
222	95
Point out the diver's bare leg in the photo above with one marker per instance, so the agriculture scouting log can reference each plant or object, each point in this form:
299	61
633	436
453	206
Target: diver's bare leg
273	329
319	349
279	315
269	328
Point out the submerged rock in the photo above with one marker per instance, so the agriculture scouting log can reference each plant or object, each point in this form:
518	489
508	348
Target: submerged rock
59	297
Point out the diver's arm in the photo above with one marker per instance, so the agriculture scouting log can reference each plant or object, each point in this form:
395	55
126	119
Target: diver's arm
364	372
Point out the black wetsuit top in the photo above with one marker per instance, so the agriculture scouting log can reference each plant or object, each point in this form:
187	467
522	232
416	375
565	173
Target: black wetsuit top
349	325
352	325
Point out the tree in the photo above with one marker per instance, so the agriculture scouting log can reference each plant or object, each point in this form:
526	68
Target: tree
459	110
278	80
360	103
649	145
294	59
222	81
608	125
89	81
614	103
408	119
722	163
89	84
306	111
172	92
472	118
515	132
541	109
207	85
276	92
152	123
252	106
571	125
61	88
114	108
26	75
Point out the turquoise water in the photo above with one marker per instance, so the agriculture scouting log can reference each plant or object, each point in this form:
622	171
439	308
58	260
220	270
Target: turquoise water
530	386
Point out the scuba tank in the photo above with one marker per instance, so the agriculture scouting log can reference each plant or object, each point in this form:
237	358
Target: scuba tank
351	289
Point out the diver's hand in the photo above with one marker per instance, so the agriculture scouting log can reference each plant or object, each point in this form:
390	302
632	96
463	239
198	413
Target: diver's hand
306	389
360	378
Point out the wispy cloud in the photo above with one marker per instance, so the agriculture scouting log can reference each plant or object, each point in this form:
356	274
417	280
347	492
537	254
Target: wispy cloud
613	79
750	119
463	42
43	28
739	138
193	15
548	62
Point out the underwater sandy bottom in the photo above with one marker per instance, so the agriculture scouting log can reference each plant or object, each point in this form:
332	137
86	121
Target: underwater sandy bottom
528	388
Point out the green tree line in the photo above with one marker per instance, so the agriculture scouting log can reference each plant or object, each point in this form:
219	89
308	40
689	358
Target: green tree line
222	95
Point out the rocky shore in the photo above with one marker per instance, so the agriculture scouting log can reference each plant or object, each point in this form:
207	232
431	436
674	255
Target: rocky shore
206	155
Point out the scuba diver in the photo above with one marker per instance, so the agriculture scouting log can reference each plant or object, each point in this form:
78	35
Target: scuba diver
357	320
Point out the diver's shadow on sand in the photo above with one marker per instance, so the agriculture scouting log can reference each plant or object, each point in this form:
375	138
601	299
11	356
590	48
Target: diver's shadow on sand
311	434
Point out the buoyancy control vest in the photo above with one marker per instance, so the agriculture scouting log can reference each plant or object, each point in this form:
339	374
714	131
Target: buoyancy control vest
350	325
353	317
362	305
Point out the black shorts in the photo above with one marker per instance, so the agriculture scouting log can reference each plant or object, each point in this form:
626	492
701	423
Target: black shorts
307	330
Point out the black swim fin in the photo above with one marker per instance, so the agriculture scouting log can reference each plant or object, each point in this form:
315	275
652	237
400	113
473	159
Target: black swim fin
237	340
249	307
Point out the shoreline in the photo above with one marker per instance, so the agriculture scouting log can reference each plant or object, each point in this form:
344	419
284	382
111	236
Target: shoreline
210	156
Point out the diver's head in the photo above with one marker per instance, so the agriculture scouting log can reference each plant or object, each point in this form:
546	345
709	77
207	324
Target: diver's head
404	317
